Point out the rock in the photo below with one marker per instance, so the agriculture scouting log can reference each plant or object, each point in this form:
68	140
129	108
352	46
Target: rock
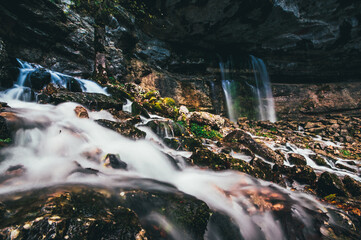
239	136
72	84
352	186
139	110
114	161
205	118
124	129
329	183
319	160
39	79
93	101
4	129
296	159
77	213
183	110
81	112
302	174
206	158
270	175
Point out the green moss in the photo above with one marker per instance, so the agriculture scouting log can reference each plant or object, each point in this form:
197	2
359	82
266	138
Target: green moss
6	140
330	197
151	94
204	131
169	102
345	152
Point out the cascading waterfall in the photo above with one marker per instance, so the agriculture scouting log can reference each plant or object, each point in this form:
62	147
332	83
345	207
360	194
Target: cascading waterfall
237	92
227	89
263	91
52	152
22	88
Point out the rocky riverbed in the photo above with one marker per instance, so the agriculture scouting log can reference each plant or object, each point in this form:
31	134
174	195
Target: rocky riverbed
320	158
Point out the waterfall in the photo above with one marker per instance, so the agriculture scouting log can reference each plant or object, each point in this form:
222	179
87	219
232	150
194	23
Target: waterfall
263	90
227	89
22	88
249	96
52	153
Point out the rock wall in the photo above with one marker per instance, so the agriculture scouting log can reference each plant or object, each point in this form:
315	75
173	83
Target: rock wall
300	101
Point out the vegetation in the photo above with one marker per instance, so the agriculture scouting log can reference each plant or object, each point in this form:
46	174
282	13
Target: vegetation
204	131
6	140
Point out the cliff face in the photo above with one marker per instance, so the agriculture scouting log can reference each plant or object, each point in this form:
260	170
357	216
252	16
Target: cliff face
176	51
302	41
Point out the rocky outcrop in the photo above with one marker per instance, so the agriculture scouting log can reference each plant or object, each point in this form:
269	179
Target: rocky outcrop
300	101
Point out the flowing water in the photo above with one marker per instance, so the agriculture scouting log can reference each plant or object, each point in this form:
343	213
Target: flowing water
53	144
22	90
251	97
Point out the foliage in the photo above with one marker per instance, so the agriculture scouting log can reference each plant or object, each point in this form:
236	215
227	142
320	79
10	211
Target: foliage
204	131
6	140
330	197
345	152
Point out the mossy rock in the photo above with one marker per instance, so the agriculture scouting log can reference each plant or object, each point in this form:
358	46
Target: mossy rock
152	94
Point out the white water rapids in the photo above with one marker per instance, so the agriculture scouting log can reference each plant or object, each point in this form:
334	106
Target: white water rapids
53	144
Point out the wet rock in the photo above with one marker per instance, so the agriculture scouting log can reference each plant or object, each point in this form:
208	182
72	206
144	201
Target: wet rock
352	186
139	110
124	129
81	112
114	161
239	136
188	214
302	174
4	128
39	79
93	101
167	128
296	159
329	183
206	158
319	160
78	213
72	84
270	175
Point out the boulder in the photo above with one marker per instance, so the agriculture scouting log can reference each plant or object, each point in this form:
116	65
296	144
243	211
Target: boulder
81	112
93	101
114	161
319	160
296	159
329	183
352	186
39	78
239	136
123	128
205	118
